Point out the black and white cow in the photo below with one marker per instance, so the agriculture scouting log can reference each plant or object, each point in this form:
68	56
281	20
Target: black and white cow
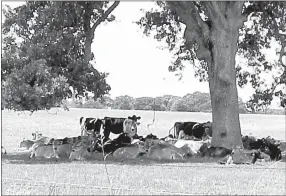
195	129
120	125
90	126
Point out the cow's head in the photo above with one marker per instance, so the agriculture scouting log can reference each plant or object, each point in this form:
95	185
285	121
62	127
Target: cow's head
34	136
207	124
130	127
135	118
142	148
198	125
181	134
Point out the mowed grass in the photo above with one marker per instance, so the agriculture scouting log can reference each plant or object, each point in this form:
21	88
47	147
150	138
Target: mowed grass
90	178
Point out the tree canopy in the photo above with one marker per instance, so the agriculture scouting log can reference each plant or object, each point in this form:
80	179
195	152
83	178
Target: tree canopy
46	52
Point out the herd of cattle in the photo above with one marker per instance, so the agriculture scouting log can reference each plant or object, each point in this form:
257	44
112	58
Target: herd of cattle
189	139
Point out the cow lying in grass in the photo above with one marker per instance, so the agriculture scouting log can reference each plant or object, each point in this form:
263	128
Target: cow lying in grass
132	151
267	145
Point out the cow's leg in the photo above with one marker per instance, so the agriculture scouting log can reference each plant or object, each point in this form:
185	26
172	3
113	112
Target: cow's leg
106	134
83	131
55	151
32	154
33	149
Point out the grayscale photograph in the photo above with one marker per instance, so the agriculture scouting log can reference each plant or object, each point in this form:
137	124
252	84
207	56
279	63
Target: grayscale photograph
143	97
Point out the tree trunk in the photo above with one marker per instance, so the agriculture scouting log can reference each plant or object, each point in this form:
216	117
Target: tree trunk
223	88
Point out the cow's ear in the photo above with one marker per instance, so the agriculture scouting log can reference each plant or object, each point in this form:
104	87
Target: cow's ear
138	118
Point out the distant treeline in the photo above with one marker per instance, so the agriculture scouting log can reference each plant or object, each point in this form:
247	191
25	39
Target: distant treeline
196	102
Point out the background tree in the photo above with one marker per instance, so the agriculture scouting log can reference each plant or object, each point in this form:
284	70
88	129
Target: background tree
143	103
47	49
107	101
180	105
213	33
124	103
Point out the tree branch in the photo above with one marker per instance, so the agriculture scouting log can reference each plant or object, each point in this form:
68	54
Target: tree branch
197	31
105	15
214	12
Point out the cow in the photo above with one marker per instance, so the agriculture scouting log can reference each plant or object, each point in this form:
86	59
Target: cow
151	136
37	136
110	146
208	128
164	151
3	150
195	129
120	125
194	146
26	144
53	151
90	126
84	150
46	142
80	153
267	145
258	155
130	152
249	142
273	151
183	136
282	146
207	150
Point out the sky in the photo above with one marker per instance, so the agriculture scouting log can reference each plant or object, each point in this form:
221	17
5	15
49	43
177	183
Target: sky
130	57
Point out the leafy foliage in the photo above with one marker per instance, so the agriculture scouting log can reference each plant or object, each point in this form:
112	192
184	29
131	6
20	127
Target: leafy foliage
47	48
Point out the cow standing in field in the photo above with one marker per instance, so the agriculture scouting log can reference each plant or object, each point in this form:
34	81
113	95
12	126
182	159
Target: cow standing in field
90	126
198	130
120	125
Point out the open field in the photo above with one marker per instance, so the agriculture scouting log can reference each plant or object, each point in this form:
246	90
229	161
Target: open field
86	178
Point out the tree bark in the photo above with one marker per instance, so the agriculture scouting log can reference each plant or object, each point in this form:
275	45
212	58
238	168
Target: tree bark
223	88
217	45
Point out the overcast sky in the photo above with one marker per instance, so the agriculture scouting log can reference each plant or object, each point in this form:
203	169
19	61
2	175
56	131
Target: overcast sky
130	57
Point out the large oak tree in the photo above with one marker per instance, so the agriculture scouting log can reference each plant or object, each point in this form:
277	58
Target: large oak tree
214	33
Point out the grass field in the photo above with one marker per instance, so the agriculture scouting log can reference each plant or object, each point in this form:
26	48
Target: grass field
86	178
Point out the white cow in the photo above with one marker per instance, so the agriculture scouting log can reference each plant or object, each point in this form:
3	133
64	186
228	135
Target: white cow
193	145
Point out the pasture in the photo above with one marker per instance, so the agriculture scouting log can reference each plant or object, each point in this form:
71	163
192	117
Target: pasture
90	178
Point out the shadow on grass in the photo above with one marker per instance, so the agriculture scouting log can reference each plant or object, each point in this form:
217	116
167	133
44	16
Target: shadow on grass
23	158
